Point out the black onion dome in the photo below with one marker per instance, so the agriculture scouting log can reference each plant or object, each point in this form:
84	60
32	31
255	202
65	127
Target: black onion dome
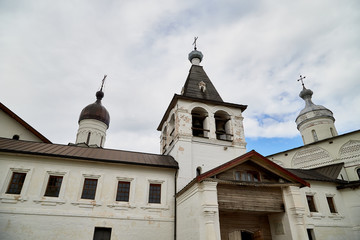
96	111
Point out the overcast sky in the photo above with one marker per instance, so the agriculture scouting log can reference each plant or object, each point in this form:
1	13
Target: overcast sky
54	54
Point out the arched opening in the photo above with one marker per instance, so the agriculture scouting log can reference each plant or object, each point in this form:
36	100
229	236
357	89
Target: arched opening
199	122
172	125
358	172
198	171
163	139
16	137
314	135
223	126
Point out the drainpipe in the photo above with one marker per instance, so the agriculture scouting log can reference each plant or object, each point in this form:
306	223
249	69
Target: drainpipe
175	206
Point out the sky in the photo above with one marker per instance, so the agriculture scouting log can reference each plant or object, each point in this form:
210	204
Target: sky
54	54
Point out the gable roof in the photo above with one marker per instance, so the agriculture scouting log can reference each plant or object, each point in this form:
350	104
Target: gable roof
23	123
192	89
257	159
86	153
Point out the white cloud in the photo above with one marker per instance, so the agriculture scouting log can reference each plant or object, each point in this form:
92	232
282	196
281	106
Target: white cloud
54	55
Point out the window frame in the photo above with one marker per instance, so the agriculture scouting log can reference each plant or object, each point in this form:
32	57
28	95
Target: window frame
14	198
83	188
312	205
152	197
48	192
128	183
331	205
17	188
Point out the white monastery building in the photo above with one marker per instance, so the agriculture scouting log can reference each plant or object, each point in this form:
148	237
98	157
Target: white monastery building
204	184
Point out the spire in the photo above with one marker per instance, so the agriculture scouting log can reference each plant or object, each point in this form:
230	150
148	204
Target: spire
195	56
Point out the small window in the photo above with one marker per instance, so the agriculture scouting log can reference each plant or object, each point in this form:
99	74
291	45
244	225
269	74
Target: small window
332	132
155	193
53	186
88	138
247	176
123	191
314	135
358	172
16	137
89	188
331	204
311	203
310	233
16	183
102	233
198	171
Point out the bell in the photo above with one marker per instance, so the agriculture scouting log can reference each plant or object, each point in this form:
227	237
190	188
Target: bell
220	127
197	123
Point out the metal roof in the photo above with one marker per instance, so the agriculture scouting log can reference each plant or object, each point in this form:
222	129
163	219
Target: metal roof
87	153
327	173
192	89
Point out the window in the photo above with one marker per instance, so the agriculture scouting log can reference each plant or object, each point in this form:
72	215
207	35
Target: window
89	188
16	183
331	204
198	171
88	138
358	172
123	191
199	122
155	193
248	176
314	135
53	186
311	203
16	137
310	233
102	233
332	132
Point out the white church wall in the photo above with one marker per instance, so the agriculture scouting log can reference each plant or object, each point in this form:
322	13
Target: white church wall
197	213
327	225
31	215
12	127
343	148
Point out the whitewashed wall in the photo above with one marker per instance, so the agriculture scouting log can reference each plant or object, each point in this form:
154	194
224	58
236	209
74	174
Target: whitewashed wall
12	127
33	216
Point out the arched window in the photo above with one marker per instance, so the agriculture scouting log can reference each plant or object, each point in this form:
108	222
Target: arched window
172	125
198	171
16	137
358	172
199	122
223	128
163	139
314	135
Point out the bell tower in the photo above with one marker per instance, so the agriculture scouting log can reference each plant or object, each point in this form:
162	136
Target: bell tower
199	129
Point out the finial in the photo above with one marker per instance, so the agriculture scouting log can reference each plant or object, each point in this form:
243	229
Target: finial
301	79
194	43
103	81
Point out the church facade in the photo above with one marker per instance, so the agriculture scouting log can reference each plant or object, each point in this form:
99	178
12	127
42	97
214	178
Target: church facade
203	185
